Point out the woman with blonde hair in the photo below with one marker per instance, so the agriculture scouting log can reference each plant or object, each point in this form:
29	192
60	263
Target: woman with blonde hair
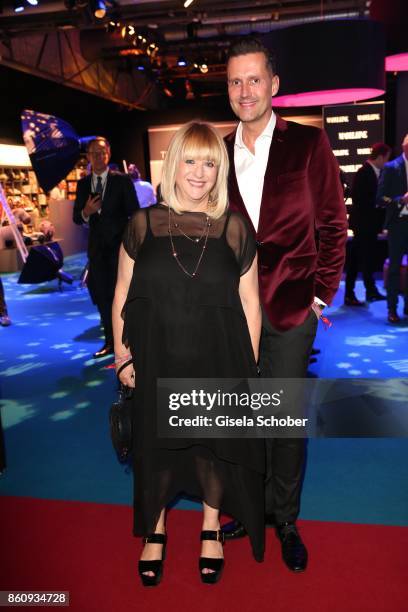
186	306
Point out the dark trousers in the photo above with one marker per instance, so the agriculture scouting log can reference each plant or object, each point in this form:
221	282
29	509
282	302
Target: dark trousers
105	311
397	246
285	355
3	305
361	258
101	282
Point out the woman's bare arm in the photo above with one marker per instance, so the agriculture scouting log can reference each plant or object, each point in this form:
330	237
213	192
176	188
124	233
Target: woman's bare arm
125	272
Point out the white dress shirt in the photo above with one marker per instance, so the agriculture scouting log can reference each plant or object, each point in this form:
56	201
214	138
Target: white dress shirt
250	169
376	170
94	180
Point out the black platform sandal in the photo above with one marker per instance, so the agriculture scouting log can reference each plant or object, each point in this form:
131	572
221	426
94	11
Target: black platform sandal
155	566
216	565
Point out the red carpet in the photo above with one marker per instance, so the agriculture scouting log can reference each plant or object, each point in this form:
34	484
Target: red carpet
88	549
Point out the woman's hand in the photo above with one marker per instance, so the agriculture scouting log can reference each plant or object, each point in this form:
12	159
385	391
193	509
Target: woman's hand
127	375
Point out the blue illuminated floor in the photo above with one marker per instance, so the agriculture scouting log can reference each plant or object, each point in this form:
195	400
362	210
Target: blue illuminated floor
56	397
361	342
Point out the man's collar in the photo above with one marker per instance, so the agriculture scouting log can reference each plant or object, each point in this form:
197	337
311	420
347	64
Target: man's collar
267	132
374	167
404	158
103	175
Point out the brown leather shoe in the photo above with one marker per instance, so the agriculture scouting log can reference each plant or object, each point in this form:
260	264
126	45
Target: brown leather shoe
351	300
375	296
5	320
393	317
233	530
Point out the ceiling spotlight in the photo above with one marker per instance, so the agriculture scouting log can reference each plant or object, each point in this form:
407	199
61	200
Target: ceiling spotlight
181	62
18	6
187	3
33	2
99	8
204	68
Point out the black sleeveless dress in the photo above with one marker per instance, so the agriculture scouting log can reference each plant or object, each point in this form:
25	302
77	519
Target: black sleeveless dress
177	326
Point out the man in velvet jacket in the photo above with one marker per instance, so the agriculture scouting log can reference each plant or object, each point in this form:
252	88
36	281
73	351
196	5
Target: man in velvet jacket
285	180
105	200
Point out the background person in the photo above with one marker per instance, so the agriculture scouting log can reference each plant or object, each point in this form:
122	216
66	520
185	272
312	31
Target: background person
104	199
393	194
5	320
144	189
59	192
365	221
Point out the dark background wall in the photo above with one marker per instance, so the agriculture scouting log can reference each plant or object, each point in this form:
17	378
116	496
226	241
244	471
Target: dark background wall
87	114
401	127
127	130
134	125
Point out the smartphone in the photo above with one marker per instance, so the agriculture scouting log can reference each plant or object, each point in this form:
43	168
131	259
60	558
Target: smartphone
95	195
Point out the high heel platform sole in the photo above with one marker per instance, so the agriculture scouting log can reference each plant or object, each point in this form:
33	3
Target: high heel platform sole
156	565
214	564
150	581
214	576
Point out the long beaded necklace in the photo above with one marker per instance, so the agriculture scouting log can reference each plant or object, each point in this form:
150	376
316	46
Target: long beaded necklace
204	234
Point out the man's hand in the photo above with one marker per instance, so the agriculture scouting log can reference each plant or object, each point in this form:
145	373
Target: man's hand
93	204
317	310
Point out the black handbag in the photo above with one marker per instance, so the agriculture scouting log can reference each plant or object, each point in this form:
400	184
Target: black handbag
120	420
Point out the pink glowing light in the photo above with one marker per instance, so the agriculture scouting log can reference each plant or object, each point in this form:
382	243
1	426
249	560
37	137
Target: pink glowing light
396	63
327	96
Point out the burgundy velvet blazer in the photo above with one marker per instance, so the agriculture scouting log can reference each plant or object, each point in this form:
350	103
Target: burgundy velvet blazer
302	198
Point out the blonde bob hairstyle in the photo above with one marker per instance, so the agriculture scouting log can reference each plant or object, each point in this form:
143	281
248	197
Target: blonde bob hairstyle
196	140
